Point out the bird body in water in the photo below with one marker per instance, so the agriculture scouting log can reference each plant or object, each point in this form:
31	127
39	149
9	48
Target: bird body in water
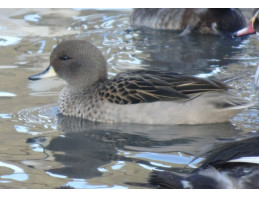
144	97
216	21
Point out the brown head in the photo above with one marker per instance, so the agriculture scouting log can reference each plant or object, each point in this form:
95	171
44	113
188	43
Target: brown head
78	62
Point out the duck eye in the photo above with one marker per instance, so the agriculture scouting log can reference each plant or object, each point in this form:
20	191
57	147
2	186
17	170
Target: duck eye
64	57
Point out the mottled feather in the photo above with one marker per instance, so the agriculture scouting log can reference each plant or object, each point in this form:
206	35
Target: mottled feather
150	86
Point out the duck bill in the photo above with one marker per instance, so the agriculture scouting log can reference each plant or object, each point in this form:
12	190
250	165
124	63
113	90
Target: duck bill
247	30
49	72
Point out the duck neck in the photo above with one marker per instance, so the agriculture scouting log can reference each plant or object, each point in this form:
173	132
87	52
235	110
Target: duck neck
82	87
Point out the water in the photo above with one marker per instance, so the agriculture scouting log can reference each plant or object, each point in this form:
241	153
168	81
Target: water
40	148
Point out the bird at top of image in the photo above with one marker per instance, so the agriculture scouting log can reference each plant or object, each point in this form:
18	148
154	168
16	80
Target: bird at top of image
229	165
215	21
252	28
144	97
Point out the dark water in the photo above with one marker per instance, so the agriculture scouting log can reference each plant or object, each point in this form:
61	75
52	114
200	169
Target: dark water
40	148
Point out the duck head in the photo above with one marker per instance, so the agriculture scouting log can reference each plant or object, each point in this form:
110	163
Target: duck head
78	62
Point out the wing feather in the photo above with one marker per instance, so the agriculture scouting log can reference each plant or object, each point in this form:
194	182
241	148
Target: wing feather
150	86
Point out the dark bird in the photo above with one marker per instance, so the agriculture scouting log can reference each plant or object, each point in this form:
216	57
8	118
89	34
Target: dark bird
232	165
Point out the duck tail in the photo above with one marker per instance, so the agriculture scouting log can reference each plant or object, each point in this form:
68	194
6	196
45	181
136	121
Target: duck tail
232	102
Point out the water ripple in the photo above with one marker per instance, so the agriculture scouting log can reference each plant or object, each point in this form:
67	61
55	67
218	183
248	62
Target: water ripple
37	118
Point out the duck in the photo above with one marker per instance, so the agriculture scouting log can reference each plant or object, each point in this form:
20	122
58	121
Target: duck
216	21
230	165
252	28
138	96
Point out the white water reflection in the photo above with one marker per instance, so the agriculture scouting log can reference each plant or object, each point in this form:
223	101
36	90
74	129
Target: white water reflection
17	175
9	40
32	17
168	158
24	129
56	175
213	72
37	148
118	165
147	167
7	66
82	184
5	116
102	170
7	94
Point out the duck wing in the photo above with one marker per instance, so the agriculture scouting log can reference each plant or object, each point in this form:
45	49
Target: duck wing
228	154
150	86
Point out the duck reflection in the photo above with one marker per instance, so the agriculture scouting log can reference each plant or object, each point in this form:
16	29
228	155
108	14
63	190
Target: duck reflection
80	154
87	146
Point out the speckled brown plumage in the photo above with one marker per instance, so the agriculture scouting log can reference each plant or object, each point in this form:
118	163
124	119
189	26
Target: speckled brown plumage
151	86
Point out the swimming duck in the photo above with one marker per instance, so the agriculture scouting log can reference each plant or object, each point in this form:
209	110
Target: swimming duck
219	21
252	28
231	165
147	97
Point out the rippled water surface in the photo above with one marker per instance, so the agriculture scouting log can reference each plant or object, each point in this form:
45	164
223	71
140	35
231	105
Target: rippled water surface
39	148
